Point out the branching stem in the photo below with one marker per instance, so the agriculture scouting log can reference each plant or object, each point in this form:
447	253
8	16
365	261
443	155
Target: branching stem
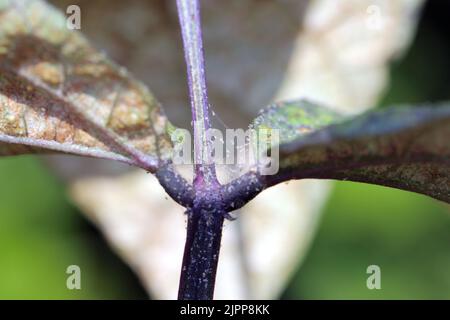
206	215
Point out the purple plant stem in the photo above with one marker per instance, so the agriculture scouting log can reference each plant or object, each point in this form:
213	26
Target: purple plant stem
189	16
202	248
206	214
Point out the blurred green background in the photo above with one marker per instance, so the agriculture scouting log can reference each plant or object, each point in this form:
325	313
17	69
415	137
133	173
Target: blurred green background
407	235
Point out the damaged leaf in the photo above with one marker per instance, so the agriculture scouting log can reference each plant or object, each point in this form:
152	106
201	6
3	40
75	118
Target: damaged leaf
402	147
59	93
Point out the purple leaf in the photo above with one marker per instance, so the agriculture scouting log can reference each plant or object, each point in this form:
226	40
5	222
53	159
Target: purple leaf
402	147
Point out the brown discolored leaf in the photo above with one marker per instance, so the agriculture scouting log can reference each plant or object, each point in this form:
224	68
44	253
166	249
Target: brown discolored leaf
59	93
401	147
